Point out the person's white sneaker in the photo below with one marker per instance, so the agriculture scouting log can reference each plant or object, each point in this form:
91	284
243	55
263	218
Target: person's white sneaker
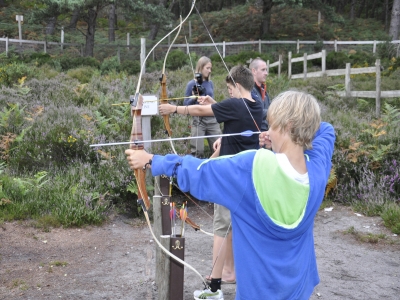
207	294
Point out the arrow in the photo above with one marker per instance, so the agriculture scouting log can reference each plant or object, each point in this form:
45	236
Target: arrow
246	133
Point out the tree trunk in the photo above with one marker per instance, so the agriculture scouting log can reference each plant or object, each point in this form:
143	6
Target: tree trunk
91	29
51	25
155	27
74	18
395	20
353	4
111	23
266	11
360	10
386	12
373	9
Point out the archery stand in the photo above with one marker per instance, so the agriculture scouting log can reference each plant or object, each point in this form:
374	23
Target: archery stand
169	273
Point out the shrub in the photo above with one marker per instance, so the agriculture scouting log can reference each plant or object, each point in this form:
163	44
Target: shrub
83	74
67	62
10	73
110	64
336	60
176	59
131	67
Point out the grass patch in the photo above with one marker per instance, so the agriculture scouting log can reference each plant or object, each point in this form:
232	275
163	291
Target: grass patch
370	238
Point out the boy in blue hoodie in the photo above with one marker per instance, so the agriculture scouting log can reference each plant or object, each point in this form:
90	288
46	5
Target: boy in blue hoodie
273	197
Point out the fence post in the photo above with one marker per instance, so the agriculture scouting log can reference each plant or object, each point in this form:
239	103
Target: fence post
374	47
268	65
259	45
378	88
298	47
187	48
289	64
128	39
119	54
335	45
45	47
279	65
223	49
142	53
305	66
190	29
323	62
62	38
319	18
347	80
7	46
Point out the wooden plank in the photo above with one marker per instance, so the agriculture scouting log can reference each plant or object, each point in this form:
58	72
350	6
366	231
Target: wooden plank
370	94
163	267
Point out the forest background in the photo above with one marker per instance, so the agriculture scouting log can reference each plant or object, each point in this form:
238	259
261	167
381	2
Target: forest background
54	106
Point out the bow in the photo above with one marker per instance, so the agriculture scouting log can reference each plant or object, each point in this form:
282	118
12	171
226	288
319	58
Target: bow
164	96
136	106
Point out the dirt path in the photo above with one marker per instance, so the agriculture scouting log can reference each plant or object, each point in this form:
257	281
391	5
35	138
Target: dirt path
116	261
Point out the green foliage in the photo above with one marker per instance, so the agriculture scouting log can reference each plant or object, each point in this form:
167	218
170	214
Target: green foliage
110	64
131	67
68	62
82	74
38	58
12	72
386	50
391	217
336	60
176	59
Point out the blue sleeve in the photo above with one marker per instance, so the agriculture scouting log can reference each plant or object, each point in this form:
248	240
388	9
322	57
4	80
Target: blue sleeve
223	180
323	146
188	92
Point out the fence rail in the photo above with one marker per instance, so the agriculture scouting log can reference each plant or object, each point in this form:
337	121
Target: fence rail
208	49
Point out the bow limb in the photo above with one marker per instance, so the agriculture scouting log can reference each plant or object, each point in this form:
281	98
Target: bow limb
164	96
152	49
136	135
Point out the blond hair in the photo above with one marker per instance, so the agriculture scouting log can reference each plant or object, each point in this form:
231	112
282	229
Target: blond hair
298	113
200	65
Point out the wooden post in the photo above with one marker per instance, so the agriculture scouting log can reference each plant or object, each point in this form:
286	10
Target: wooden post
163	267
374	47
289	65
62	38
119	54
335	45
223	49
259	46
6	46
347	80
45	47
280	65
128	39
143	53
378	88
305	66
319	18
298	47
323	62
177	270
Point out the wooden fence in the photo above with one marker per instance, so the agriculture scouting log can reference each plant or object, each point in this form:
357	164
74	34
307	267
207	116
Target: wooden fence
377	94
207	49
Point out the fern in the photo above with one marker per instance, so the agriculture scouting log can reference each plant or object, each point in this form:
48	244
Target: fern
332	182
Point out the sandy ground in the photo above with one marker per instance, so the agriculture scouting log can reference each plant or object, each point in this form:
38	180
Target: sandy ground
117	260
